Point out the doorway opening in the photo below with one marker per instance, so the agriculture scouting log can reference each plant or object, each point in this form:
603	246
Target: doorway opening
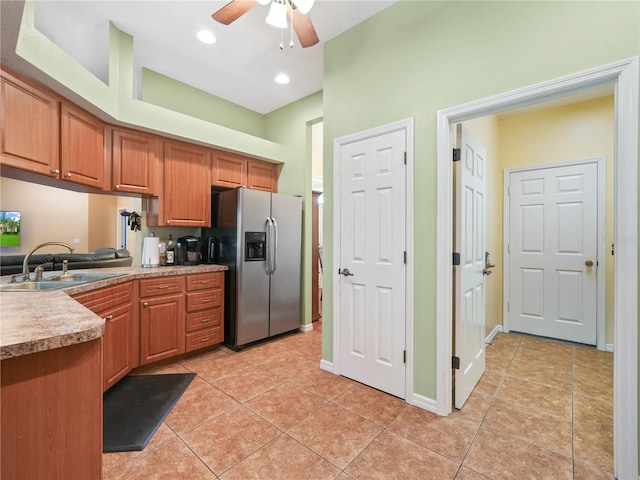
623	76
317	187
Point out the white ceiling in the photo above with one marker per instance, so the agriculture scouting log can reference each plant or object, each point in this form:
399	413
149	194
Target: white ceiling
240	67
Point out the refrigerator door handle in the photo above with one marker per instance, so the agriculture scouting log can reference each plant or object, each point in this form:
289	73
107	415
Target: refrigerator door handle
274	259
269	260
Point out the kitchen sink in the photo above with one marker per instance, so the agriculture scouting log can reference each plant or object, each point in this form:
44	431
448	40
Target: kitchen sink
35	286
59	281
81	277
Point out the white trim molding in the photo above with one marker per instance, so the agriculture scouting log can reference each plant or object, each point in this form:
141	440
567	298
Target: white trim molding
305	328
406	125
496	330
624	76
327	366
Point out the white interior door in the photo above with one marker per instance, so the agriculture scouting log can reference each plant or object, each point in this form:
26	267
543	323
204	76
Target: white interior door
469	239
372	264
553	238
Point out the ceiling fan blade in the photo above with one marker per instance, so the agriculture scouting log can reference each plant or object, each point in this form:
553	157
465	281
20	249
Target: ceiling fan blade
304	29
233	10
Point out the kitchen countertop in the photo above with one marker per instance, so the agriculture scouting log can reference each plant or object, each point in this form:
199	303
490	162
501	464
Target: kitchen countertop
35	321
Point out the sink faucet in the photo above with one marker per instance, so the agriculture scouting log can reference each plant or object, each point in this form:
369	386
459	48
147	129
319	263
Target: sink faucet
25	263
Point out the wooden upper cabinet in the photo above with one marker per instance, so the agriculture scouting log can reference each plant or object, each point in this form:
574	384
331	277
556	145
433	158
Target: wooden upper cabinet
186	199
135	158
228	170
262	176
82	158
29	126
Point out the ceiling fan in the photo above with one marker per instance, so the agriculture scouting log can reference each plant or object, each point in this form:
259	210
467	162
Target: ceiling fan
297	10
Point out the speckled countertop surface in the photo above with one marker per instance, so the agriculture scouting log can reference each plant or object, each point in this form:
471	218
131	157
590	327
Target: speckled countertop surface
35	321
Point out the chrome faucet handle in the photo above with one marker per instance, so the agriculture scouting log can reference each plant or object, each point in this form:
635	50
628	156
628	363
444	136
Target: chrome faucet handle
38	271
65	266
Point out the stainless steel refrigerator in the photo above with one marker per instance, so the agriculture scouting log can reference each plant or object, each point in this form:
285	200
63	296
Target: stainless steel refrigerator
258	236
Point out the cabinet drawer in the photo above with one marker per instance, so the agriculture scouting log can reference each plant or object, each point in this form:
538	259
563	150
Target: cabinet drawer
203	338
204	299
201	281
99	301
204	319
161	286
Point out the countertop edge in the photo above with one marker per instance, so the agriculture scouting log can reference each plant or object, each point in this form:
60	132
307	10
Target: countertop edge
21	311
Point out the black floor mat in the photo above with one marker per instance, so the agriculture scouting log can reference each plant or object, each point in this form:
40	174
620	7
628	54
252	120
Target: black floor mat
136	406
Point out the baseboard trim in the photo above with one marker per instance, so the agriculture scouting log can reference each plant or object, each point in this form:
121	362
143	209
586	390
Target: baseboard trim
496	330
608	347
306	328
327	366
425	403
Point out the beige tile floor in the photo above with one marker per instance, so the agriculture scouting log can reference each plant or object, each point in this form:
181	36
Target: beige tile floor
543	410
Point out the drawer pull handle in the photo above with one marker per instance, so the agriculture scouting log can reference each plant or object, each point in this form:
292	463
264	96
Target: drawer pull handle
145	304
204	282
205	320
204	339
161	287
205	300
108	317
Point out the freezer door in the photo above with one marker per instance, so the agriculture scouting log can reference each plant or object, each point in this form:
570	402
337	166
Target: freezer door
252	317
286	213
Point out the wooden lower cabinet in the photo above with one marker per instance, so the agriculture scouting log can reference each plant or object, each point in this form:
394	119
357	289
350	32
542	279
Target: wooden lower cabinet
120	339
52	414
161	318
204	310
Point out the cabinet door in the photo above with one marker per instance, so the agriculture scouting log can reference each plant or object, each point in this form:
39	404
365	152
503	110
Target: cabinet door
187	185
29	126
161	328
117	344
228	170
263	176
134	161
120	339
83	153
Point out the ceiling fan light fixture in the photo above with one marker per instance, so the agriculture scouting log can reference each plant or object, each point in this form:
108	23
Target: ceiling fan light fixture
277	14
303	6
205	36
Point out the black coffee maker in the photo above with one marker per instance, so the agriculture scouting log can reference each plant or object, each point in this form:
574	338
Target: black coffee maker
188	250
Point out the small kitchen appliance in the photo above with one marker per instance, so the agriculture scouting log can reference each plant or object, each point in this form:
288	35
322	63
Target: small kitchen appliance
188	250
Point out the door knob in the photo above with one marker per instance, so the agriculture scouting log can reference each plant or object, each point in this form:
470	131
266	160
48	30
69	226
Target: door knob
345	272
589	263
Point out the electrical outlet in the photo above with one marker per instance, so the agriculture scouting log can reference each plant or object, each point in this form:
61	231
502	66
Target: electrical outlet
76	241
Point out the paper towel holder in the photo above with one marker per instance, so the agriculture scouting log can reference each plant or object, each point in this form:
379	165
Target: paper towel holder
150	251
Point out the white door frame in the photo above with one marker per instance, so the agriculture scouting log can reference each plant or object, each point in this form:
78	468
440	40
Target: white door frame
408	126
601	258
625	77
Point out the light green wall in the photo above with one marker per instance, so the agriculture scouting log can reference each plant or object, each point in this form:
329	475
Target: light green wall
415	58
115	102
290	126
166	92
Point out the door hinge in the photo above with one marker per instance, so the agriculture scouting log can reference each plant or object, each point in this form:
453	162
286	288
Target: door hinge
457	154
404	356
456	258
455	363
508	306
405	257
405	158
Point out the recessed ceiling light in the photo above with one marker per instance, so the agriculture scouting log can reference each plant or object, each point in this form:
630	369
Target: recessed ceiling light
205	36
282	79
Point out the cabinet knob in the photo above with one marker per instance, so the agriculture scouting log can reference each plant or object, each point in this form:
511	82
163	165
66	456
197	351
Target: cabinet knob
117	187
168	222
55	171
108	317
67	175
145	304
